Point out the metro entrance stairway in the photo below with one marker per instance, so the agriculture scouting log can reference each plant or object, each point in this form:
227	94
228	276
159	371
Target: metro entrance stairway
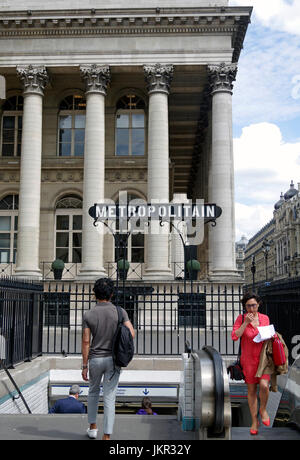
204	379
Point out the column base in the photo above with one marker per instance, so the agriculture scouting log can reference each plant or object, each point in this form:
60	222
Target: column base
32	274
91	275
158	275
225	276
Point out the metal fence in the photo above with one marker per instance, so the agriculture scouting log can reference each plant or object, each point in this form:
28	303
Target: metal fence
281	302
21	330
164	316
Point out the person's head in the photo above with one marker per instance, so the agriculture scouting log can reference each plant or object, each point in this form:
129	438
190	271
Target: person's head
103	289
251	302
75	391
146	403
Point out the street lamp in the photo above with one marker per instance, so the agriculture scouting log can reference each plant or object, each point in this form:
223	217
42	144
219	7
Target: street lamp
266	249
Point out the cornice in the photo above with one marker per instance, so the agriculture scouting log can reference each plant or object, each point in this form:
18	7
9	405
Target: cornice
66	23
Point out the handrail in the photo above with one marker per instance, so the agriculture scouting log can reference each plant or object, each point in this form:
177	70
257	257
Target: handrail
15	385
219	389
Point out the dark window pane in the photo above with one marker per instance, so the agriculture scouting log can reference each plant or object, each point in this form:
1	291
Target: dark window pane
62	240
77	239
16	223
62	254
76	255
9	122
8	150
62	223
77	222
137	240
137	255
4	240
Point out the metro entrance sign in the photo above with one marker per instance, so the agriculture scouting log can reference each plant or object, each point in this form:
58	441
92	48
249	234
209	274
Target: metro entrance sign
164	212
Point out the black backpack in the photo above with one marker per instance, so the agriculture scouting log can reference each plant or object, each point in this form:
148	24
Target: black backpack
122	346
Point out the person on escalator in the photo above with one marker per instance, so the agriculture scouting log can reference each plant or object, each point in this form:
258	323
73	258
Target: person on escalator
146	407
245	328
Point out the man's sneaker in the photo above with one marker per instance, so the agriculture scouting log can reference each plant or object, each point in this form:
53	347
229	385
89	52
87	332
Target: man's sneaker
92	434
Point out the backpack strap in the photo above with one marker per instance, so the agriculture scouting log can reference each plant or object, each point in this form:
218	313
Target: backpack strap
120	321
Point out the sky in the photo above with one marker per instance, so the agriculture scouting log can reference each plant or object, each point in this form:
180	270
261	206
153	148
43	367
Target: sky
266	112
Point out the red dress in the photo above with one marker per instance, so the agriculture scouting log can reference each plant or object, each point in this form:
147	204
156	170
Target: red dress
250	353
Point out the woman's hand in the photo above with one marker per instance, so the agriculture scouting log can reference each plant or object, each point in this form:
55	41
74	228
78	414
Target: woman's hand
249	318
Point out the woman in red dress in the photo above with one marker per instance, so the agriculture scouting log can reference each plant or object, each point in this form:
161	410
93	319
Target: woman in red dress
245	328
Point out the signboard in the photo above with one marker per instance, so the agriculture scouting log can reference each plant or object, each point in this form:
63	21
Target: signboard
130	391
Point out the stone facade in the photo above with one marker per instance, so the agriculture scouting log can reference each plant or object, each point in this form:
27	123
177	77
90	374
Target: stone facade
283	235
174	66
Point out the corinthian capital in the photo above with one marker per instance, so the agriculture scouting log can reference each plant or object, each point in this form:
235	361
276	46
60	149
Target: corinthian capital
96	77
34	78
158	77
222	76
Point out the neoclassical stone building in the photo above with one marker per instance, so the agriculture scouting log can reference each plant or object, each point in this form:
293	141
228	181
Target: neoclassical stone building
281	261
108	97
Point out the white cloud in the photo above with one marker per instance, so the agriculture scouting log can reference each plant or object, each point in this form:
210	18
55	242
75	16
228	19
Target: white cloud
282	15
264	167
267	86
250	219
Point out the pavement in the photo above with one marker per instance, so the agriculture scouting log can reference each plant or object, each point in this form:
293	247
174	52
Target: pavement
127	428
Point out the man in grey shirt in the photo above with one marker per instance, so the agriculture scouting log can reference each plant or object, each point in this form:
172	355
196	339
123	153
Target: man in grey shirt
99	326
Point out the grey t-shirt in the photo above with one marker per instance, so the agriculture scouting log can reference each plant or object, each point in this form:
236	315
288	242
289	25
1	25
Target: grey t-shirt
102	320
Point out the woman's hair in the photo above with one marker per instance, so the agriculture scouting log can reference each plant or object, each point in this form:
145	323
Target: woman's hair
250	295
146	403
103	288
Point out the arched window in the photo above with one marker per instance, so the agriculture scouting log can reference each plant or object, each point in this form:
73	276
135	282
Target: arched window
134	250
130	126
9	206
68	229
11	129
71	126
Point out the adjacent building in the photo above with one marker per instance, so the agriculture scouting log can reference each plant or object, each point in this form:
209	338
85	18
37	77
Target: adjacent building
275	250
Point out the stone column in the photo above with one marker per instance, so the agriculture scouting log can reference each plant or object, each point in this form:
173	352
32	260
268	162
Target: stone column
96	79
158	78
34	79
221	179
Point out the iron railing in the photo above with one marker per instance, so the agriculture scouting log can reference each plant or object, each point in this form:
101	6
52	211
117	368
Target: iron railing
21	309
164	316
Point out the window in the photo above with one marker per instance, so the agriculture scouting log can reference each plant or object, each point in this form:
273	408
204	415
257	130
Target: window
71	126
68	225
134	251
130	126
11	129
8	228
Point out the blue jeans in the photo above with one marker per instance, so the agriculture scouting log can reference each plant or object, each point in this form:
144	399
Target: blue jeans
99	367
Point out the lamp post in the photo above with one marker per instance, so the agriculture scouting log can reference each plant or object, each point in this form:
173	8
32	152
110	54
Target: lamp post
253	270
266	249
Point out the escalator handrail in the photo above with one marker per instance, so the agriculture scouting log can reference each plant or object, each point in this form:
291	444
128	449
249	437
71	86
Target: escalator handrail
218	426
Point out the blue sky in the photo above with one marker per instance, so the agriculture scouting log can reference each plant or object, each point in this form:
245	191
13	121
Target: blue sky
266	112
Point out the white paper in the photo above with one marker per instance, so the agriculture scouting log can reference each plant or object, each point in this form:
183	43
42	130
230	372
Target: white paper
264	333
